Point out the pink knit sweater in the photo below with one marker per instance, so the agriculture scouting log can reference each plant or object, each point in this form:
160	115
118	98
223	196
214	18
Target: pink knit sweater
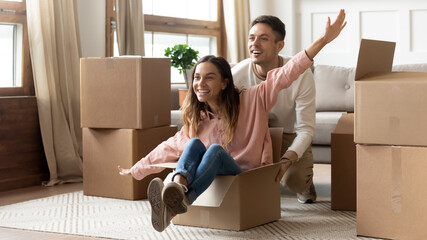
251	146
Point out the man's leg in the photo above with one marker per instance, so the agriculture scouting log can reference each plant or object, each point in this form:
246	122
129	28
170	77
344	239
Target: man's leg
299	177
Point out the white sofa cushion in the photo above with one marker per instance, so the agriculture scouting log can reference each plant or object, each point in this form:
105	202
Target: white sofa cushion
176	118
334	88
421	67
325	124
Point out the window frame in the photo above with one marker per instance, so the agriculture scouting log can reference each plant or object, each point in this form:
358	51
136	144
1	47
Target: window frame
163	24
15	12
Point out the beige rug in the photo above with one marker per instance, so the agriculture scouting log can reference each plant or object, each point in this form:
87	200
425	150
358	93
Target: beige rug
74	213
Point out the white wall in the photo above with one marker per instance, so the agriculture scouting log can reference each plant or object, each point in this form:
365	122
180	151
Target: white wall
91	16
283	9
399	21
403	22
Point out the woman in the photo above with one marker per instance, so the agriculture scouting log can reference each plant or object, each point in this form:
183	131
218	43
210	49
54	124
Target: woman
225	132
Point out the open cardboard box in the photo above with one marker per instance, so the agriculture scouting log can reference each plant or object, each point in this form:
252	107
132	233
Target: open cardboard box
239	202
390	107
343	165
125	92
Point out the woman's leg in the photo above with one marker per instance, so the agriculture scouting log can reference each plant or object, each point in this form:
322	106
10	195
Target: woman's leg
174	194
215	161
190	160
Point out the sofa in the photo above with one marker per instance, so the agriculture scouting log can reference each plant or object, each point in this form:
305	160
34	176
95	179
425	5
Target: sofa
334	96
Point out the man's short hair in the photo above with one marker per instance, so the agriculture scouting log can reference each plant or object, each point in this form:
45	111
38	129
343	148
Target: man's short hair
275	23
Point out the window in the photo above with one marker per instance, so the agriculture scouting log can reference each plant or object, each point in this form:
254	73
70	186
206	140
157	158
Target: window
15	69
197	23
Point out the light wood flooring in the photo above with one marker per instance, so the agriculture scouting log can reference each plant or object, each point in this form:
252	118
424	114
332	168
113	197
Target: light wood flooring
322	181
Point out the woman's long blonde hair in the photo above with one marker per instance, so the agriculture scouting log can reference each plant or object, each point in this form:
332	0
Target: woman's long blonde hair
193	110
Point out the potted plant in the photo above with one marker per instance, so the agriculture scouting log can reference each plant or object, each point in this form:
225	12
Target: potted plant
183	58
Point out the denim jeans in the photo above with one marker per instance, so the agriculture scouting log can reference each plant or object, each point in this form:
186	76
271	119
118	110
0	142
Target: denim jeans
200	166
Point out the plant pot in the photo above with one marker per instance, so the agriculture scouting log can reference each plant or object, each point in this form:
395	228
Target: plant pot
188	74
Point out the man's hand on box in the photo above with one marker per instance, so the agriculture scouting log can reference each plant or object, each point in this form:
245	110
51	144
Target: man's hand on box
283	168
287	159
123	171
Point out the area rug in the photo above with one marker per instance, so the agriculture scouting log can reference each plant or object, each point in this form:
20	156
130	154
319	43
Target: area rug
75	213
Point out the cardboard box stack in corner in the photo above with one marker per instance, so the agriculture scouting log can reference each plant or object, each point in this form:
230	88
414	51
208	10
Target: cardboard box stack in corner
391	137
125	113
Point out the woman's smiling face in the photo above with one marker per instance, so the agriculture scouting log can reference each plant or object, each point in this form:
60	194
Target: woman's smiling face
208	84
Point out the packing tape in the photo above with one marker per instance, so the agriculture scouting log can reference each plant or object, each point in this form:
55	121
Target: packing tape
204	217
396	179
110	63
394	124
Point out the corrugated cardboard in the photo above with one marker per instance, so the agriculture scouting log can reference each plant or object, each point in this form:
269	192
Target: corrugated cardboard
239	202
125	92
104	149
343	165
391	192
390	107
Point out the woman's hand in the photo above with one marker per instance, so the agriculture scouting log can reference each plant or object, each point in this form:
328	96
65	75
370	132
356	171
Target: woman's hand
123	171
331	32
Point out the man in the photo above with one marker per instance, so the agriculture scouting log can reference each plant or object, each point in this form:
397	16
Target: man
295	108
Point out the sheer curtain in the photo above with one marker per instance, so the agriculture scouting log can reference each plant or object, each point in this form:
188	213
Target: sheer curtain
237	19
130	27
55	55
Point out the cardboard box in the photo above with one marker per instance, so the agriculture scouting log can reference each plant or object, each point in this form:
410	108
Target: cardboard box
125	92
391	183
104	149
239	202
343	165
389	106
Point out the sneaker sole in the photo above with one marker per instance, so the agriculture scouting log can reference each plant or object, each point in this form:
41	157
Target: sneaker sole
173	198
309	201
154	193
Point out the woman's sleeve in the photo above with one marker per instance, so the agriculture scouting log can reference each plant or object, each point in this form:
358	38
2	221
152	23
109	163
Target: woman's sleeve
283	77
167	151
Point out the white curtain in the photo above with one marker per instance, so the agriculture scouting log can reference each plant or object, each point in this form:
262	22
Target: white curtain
237	19
130	27
55	55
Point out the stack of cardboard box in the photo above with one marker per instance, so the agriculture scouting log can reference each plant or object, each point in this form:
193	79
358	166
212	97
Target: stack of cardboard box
391	133
125	113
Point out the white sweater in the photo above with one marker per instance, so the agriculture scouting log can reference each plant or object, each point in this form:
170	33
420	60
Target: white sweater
295	109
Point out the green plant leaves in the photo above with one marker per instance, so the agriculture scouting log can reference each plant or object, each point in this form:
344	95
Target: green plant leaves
182	56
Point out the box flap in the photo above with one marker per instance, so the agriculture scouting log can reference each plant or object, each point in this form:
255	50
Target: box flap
276	135
216	192
345	124
165	165
374	56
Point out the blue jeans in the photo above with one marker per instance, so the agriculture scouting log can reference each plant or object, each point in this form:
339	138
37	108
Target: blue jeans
200	166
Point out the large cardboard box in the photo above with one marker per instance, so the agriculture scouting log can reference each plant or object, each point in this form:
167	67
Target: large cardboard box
390	107
239	202
343	165
391	190
125	92
104	149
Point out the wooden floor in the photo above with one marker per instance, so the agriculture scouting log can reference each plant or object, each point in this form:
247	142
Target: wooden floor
322	181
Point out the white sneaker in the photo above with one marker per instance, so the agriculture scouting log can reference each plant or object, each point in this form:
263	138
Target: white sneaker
307	196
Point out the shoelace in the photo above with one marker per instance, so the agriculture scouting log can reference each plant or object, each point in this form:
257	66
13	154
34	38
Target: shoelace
183	186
